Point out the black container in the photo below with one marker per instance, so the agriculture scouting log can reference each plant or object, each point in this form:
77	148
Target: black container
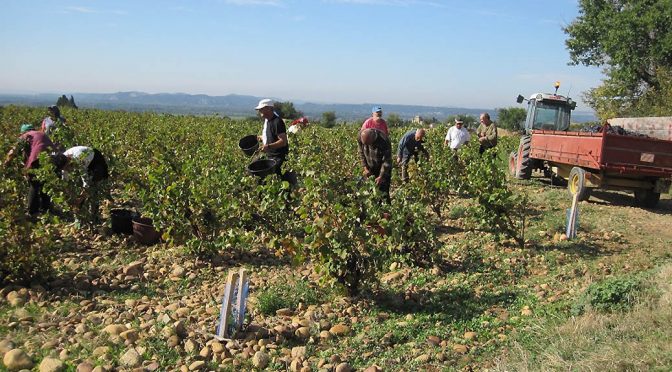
122	221
249	144
261	168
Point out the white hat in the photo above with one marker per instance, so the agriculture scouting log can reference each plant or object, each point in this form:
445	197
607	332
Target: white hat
264	103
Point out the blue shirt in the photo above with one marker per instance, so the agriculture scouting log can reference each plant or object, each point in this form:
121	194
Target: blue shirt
410	146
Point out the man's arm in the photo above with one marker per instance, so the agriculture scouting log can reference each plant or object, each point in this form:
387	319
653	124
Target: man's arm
362	157
281	142
492	134
386	168
402	144
424	150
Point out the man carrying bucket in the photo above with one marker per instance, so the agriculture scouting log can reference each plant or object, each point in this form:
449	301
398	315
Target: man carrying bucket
273	134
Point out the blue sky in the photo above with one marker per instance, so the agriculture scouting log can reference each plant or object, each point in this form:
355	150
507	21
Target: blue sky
474	54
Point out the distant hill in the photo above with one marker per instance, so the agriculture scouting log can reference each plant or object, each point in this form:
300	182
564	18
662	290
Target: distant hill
240	105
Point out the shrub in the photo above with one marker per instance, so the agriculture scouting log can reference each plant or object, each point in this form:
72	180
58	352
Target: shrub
612	294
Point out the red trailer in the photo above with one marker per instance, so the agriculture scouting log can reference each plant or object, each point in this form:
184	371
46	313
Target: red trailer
588	160
603	160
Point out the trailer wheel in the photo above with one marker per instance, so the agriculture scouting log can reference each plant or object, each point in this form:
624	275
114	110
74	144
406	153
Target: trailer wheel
646	198
523	163
577	184
513	161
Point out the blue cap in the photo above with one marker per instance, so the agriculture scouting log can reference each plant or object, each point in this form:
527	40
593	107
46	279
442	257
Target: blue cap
376	109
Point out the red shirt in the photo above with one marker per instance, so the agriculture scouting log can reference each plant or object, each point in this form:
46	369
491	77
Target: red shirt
38	142
379	124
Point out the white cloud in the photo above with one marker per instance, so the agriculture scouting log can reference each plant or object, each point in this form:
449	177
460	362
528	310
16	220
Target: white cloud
254	2
389	2
86	10
81	9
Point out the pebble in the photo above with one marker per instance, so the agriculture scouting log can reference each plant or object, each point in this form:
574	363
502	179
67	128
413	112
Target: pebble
469	335
51	365
16	299
130	358
115	329
302	333
17	359
340	330
298	352
424	358
5	346
373	368
343	367
284	312
85	367
460	349
260	360
197	365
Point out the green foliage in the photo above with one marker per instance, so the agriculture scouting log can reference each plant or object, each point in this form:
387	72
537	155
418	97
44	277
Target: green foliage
287	110
26	249
328	119
498	208
656	101
631	39
287	295
512	118
613	294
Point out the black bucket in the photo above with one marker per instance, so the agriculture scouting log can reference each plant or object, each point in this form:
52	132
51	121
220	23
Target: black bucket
122	221
261	168
249	144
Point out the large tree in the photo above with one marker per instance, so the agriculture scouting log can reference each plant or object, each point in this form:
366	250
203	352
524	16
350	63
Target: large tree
631	39
511	118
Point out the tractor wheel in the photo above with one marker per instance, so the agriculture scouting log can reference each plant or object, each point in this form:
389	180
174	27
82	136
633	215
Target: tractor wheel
513	161
646	198
577	184
523	162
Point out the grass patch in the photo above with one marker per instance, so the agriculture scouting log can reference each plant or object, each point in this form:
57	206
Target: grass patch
157	349
624	340
288	295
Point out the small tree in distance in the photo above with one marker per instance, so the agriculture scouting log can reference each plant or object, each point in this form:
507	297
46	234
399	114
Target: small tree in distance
328	119
287	110
394	120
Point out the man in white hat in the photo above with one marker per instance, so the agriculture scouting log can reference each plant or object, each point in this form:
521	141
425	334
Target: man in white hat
457	136
273	134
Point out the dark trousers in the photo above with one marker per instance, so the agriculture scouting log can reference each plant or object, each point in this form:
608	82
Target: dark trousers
482	149
404	167
279	160
38	200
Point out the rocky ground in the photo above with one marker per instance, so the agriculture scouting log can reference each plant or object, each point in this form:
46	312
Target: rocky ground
117	305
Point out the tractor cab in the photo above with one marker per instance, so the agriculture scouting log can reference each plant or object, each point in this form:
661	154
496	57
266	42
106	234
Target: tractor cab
547	111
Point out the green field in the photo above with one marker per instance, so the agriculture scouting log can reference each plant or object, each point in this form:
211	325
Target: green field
464	269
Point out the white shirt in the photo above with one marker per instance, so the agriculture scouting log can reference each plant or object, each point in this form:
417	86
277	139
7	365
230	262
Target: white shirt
82	156
457	137
263	132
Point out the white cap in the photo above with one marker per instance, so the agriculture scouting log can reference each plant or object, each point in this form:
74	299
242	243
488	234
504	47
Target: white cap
264	103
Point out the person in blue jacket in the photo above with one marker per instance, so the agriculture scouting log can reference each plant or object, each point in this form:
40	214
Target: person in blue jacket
409	146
